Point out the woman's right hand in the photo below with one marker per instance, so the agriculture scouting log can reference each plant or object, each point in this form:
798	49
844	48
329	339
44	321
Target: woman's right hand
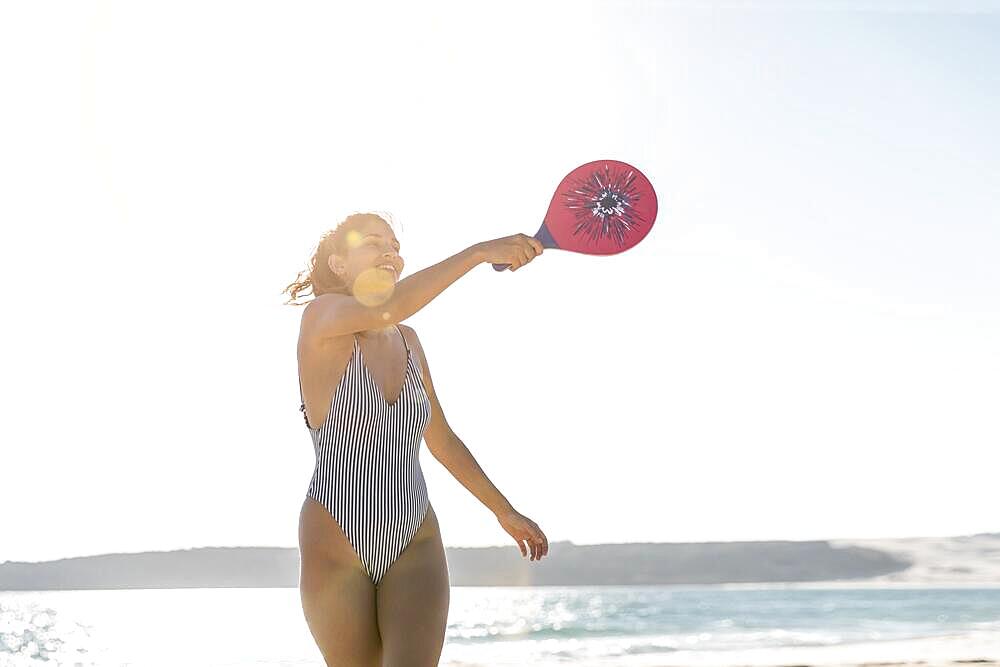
516	250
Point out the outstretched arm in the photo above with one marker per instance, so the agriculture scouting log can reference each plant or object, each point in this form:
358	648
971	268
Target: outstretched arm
452	453
332	315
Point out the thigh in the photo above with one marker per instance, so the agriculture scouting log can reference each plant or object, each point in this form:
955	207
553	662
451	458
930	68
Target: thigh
338	597
412	601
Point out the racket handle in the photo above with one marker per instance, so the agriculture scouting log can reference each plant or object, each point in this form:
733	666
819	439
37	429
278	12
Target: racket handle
542	235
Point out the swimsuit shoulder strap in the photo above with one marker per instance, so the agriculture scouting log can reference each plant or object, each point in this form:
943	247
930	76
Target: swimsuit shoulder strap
404	339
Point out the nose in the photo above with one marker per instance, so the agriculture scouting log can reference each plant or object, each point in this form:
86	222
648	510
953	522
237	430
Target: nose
394	259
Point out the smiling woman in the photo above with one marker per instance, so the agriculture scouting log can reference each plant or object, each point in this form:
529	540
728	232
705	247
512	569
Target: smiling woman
374	578
359	237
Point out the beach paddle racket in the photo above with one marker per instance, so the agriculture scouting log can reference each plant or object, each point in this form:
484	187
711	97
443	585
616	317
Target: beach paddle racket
600	208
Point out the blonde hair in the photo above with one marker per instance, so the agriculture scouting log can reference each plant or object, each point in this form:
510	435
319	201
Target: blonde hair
318	277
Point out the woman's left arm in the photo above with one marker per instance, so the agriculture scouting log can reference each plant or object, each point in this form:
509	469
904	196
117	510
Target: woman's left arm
452	453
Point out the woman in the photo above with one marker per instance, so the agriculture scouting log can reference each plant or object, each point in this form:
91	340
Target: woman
374	580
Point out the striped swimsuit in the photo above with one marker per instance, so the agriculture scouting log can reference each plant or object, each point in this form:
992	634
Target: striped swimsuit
367	472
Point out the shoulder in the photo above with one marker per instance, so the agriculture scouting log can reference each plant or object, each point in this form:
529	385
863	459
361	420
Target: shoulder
315	309
315	306
322	323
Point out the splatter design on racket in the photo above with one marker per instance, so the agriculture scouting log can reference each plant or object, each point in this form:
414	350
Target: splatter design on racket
600	208
604	203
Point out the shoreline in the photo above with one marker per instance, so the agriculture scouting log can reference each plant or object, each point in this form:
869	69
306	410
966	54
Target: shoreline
980	647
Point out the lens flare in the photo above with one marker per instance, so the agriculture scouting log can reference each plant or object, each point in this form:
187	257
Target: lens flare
373	286
353	238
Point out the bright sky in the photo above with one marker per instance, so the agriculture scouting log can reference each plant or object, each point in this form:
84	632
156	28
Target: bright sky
805	346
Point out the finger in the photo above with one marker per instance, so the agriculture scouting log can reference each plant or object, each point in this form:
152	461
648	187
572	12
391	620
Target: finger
543	544
534	549
538	245
538	545
521	547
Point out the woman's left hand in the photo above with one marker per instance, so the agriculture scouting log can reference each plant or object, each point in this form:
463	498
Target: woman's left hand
525	531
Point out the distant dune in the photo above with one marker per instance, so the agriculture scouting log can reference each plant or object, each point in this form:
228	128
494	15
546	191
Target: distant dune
973	559
968	559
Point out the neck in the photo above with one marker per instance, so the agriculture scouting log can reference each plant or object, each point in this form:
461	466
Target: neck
377	333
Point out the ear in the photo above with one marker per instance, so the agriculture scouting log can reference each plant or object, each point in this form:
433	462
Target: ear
336	265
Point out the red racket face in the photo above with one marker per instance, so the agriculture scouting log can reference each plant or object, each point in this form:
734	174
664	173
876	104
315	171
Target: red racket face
601	208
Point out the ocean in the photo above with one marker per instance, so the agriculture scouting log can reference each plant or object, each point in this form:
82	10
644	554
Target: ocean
589	626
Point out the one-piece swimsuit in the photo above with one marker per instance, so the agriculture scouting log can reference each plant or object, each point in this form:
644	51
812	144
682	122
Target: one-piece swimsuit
367	473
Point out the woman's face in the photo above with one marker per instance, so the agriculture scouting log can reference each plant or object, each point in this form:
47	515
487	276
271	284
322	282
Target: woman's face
371	263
